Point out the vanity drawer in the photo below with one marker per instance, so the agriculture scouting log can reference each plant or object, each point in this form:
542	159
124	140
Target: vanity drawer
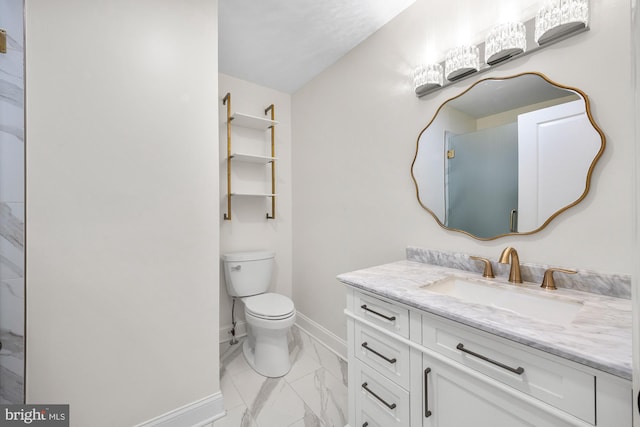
382	313
379	402
384	354
542	377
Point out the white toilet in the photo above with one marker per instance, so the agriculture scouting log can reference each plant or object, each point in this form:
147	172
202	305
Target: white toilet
269	315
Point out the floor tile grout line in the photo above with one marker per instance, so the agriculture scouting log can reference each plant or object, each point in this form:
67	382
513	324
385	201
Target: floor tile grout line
322	343
319	416
235	387
313	342
306	403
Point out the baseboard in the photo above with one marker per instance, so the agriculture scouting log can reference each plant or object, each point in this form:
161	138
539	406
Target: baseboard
196	414
225	331
324	336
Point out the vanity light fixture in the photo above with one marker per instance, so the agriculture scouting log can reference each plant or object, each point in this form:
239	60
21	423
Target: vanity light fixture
461	61
504	42
560	18
427	77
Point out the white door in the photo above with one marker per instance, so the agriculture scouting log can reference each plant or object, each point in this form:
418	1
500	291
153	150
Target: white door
556	148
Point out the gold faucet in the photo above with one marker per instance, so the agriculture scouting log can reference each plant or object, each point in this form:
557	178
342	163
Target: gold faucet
488	270
547	280
509	254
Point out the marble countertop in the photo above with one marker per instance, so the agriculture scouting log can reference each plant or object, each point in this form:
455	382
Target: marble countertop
599	336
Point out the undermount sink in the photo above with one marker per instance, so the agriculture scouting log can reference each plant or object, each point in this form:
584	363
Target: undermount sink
532	303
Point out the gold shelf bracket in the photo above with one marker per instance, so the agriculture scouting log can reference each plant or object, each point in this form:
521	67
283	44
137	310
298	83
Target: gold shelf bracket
3	41
272	108
227	101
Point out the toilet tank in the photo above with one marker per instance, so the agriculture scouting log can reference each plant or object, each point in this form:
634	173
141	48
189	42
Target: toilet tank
247	273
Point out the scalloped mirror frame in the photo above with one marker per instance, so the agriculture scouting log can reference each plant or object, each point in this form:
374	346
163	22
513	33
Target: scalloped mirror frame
558	212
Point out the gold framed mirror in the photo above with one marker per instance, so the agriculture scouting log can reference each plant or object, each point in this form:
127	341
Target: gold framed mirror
506	156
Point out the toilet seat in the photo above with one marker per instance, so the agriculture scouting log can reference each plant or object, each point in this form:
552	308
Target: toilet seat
269	306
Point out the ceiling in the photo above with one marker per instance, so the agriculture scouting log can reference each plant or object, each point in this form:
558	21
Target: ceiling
283	44
497	96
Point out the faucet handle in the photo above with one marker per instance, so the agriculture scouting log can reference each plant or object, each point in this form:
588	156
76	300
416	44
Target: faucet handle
547	280
488	269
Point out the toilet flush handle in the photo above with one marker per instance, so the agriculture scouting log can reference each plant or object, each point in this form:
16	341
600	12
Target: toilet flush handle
236	267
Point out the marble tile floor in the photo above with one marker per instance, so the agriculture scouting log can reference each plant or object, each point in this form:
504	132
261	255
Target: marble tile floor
312	394
11	368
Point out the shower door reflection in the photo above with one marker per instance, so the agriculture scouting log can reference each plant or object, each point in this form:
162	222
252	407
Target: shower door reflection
482	181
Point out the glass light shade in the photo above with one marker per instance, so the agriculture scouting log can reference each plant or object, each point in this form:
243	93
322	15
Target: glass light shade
427	77
558	18
461	61
505	41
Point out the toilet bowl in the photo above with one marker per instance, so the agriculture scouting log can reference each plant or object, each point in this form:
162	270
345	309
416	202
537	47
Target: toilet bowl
267	349
269	315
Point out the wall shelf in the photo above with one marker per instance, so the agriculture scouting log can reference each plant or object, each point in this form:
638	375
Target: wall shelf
258	124
250	158
254	194
251	122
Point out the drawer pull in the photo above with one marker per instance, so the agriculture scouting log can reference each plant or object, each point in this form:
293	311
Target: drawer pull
427	412
391	319
365	424
366	346
390	406
519	370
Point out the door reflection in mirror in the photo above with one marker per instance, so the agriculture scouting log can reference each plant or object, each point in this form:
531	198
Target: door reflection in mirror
506	156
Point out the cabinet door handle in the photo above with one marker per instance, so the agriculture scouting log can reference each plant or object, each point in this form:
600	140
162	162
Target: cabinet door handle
365	424
390	406
364	307
427	412
366	346
519	370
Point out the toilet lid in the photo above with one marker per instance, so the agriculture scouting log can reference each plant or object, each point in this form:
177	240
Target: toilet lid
269	306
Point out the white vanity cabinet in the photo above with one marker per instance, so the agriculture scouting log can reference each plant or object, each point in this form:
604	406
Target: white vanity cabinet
379	364
453	397
411	368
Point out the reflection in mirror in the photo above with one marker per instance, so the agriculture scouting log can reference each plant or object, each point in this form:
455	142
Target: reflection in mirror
506	156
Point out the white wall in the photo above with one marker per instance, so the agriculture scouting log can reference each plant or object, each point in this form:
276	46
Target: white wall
355	127
635	86
248	228
122	206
